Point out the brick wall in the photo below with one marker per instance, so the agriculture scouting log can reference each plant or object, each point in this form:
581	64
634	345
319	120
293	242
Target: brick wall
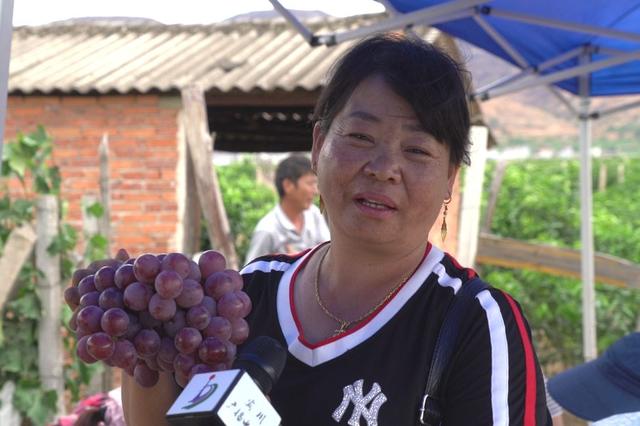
143	146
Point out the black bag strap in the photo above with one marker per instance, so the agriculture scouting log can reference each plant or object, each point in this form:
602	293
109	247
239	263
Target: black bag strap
430	410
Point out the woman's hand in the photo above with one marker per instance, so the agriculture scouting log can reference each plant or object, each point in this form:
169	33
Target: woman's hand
148	406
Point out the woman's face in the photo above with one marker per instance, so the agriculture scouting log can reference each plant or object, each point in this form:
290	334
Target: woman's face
381	176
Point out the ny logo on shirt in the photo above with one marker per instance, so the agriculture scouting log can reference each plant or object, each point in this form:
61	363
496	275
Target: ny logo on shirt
353	394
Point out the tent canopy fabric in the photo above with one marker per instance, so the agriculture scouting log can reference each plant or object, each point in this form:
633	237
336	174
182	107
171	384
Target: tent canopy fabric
608	29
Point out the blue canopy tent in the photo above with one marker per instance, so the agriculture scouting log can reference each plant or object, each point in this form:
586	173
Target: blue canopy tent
584	47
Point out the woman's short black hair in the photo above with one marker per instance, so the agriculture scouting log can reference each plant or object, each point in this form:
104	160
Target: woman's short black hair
426	77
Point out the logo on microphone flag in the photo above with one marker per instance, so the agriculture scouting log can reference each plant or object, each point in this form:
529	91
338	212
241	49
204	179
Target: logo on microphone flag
207	390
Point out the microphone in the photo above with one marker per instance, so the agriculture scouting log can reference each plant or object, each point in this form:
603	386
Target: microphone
234	397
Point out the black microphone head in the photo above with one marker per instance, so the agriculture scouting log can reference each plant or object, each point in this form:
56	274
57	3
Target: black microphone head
263	358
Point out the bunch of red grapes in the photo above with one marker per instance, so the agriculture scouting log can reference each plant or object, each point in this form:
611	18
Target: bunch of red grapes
159	313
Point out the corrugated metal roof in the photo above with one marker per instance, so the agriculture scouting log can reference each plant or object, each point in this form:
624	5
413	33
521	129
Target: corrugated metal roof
245	57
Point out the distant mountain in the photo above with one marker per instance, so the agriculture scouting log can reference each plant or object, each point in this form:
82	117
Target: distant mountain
270	15
111	21
535	117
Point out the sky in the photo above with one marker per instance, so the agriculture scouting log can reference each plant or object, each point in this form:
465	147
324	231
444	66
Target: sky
38	12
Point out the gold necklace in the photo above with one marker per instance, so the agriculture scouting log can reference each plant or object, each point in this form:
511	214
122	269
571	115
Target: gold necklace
344	324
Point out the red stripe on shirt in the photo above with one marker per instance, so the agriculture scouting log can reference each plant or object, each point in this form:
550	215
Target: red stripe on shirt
529	365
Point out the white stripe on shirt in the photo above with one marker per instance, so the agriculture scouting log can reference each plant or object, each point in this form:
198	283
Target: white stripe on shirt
499	359
264	266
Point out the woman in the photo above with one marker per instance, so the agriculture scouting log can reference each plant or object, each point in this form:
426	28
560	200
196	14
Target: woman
360	315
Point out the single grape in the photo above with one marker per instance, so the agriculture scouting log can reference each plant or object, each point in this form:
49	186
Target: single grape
122	255
167	351
194	271
82	352
86	285
111	298
246	300
115	322
191	294
81	332
124	355
212	351
198	369
130	369
183	363
89	317
198	317
103	279
231	351
147	342
177	323
162	309
136	296
164	365
169	284
124	276
219	327
239	331
187	340
231	306
218	284
73	325
181	379
211	261
147	320
236	278
152	363
100	346
145	376
72	297
78	275
90	299
210	304
97	264
146	267
177	262
134	327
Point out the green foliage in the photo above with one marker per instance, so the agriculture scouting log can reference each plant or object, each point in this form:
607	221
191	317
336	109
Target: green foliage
245	201
29	157
32	153
539	202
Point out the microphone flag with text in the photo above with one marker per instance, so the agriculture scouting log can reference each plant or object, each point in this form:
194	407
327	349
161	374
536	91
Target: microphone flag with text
236	396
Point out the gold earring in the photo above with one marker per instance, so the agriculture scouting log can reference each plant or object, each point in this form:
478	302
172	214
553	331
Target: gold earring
443	228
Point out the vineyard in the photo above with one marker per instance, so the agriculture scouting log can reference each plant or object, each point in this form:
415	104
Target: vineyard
537	202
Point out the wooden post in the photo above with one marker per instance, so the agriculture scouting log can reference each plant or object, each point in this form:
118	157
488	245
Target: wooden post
602	177
9	416
16	252
200	145
104	224
50	352
620	173
90	227
192	211
469	216
494	191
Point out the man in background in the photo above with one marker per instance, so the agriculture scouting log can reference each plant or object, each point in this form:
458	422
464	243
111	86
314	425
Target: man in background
295	223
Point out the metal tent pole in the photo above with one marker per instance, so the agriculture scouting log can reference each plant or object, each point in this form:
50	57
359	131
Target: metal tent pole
6	29
587	269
